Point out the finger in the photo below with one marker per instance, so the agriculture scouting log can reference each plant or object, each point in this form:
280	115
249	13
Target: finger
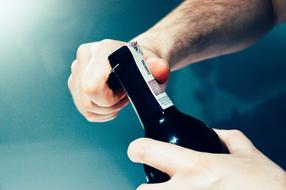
99	92
70	83
159	68
93	117
163	156
93	108
94	82
82	59
74	66
73	72
236	141
157	186
83	54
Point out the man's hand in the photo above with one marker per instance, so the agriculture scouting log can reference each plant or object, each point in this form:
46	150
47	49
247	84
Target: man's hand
245	168
89	74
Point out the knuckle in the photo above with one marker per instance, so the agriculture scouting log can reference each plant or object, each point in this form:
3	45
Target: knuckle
73	67
88	87
106	42
97	48
69	83
82	49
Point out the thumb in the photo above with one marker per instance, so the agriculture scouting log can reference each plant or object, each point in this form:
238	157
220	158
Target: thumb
159	68
161	155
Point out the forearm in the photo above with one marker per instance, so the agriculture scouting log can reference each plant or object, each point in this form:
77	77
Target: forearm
279	7
198	30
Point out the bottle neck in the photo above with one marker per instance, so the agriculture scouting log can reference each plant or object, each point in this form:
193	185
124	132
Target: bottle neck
143	90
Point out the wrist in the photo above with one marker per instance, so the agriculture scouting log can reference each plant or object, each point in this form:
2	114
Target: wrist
153	45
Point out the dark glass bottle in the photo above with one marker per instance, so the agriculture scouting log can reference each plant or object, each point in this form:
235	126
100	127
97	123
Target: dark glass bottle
159	117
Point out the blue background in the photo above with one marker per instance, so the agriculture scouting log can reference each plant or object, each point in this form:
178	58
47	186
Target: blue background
46	144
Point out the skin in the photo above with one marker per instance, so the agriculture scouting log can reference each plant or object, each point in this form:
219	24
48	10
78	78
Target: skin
244	168
196	30
88	80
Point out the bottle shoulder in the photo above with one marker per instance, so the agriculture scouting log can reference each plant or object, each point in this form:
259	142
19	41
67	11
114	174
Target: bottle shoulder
173	120
178	128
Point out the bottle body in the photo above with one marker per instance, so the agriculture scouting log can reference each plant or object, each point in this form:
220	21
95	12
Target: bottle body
177	128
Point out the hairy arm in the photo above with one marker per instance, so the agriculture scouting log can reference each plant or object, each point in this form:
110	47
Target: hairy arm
198	30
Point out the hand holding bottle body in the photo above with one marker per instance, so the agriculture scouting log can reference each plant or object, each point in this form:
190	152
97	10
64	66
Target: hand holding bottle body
89	75
244	168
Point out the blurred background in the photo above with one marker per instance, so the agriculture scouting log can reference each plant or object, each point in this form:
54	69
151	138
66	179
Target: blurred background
46	144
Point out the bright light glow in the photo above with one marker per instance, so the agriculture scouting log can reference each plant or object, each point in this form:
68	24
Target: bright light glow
12	10
15	14
173	140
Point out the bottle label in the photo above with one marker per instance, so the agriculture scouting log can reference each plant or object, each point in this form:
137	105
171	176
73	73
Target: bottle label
160	95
